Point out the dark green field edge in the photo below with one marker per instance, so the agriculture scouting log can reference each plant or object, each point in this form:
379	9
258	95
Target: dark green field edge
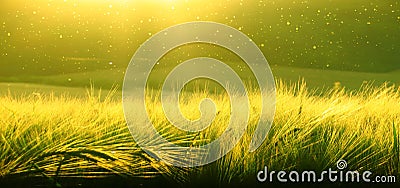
315	78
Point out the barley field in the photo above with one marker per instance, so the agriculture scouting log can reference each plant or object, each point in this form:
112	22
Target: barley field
55	137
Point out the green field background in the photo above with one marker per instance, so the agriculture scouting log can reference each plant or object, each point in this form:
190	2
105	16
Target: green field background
60	38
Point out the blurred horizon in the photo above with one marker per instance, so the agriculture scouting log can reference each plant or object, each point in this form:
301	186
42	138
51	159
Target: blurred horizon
57	37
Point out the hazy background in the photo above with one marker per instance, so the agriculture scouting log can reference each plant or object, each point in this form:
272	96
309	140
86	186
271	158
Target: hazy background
50	38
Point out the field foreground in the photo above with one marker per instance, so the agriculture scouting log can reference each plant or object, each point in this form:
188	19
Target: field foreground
60	137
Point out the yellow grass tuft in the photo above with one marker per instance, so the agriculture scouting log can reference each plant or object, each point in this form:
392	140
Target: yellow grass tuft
42	134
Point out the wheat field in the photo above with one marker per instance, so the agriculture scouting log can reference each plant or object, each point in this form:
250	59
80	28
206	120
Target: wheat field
43	135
